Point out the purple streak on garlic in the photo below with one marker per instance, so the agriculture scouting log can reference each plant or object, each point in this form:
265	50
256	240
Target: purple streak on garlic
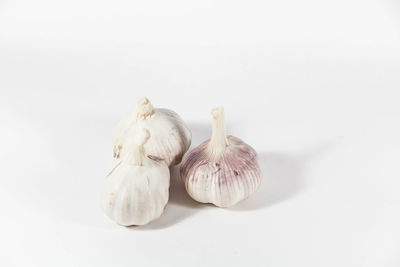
222	170
170	137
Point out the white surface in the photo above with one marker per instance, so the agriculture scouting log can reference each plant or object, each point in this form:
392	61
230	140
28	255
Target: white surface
311	85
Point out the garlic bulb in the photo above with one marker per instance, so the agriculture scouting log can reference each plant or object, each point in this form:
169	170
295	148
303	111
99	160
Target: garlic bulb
222	170
135	192
170	137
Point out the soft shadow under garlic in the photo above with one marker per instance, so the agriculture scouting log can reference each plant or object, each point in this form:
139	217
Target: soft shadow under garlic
283	176
282	179
180	205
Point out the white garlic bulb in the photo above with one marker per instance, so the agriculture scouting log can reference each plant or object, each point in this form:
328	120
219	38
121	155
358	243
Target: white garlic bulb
222	170
170	137
135	192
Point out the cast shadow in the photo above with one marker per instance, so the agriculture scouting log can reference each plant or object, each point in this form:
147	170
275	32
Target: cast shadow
283	176
282	179
180	205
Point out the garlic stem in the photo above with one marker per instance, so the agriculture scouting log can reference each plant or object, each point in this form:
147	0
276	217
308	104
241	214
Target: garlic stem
144	109
218	141
137	154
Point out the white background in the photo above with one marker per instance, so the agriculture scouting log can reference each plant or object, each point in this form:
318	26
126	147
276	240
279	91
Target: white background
311	85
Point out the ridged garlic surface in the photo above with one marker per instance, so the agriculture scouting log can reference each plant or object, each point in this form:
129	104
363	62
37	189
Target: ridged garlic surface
222	170
136	190
170	137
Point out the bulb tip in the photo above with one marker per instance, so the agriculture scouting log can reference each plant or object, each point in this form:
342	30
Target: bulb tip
143	101
217	112
144	108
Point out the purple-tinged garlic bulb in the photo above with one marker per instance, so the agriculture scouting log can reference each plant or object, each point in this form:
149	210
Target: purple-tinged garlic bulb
170	137
222	170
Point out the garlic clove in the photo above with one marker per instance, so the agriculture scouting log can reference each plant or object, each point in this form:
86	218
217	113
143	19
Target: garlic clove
170	136
223	170
136	190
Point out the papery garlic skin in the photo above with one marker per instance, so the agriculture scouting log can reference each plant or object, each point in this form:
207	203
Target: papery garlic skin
170	136
136	190
222	170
